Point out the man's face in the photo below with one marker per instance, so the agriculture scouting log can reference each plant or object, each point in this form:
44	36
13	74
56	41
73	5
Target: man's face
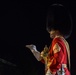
52	33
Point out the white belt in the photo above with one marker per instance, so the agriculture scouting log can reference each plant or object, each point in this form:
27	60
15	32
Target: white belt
64	65
61	71
49	73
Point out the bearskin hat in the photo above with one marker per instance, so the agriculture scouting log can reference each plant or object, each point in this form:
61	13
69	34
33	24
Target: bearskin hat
59	18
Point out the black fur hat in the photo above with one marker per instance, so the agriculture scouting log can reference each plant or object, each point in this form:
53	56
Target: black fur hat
59	18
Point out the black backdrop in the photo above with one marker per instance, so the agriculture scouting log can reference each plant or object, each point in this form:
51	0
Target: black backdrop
21	23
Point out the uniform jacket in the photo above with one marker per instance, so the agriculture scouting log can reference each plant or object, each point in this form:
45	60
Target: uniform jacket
57	56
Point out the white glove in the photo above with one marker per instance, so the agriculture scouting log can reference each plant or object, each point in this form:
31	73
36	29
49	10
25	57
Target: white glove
34	51
31	47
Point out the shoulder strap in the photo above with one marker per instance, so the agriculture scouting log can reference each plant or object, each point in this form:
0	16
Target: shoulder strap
68	51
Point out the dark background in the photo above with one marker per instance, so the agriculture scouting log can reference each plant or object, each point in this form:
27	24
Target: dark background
24	22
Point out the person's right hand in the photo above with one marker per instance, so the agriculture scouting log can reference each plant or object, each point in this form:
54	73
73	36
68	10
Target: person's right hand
31	47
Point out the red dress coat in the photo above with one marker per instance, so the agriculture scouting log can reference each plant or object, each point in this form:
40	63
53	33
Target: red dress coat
58	56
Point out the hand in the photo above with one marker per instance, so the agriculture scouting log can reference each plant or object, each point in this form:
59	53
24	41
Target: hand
31	47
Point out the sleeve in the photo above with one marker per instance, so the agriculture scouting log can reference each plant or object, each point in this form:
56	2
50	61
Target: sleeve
37	54
58	56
